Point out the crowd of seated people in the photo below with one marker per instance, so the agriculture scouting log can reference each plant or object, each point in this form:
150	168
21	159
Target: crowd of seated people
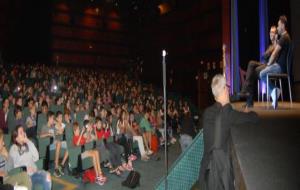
74	108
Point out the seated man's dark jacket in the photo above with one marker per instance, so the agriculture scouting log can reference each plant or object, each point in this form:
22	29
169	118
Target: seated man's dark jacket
216	167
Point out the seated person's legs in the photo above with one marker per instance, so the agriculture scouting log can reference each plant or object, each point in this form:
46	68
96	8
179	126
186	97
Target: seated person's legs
250	76
274	68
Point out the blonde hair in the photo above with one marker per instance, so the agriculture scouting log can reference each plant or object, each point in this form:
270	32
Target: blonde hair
217	85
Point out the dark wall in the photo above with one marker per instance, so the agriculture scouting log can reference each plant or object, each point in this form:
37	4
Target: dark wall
248	32
294	20
88	34
190	32
25	30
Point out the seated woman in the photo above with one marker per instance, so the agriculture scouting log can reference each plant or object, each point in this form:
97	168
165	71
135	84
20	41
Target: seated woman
82	137
60	128
21	179
113	150
24	153
124	138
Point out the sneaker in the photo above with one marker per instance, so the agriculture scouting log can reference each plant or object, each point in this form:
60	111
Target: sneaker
56	173
107	165
132	157
61	169
145	158
173	140
100	180
149	152
275	94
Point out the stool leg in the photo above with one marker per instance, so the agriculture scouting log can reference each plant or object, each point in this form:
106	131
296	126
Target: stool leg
280	84
290	90
258	90
268	98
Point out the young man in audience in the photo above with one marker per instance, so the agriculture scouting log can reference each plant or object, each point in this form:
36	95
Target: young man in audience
49	130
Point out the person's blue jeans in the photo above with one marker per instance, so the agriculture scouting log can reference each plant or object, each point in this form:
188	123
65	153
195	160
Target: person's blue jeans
40	178
274	68
185	141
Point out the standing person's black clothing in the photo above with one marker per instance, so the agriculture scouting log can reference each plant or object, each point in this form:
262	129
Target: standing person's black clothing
216	168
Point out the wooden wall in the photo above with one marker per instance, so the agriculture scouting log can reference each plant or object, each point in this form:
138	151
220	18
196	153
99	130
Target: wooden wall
89	35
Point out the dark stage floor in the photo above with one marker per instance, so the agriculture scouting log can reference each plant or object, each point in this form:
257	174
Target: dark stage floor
268	155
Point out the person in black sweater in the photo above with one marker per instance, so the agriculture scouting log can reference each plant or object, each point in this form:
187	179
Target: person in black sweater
218	119
187	130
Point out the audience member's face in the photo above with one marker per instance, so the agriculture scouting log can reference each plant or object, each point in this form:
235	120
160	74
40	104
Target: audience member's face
19	102
51	120
67	117
18	115
59	118
98	124
131	117
6	103
21	135
45	109
33	110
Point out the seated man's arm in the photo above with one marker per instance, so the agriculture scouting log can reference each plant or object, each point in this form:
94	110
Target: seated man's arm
274	54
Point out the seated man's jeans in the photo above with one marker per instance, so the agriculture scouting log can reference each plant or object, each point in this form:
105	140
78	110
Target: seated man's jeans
274	69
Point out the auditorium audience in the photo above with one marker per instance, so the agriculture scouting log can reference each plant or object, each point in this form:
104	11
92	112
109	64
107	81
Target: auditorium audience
47	102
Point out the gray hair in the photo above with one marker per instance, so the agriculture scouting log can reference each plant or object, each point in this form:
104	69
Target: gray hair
217	85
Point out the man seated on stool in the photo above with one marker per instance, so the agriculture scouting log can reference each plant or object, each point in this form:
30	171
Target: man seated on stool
277	62
255	67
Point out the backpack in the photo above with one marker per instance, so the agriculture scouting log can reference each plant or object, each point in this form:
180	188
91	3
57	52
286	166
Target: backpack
154	143
89	176
132	180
